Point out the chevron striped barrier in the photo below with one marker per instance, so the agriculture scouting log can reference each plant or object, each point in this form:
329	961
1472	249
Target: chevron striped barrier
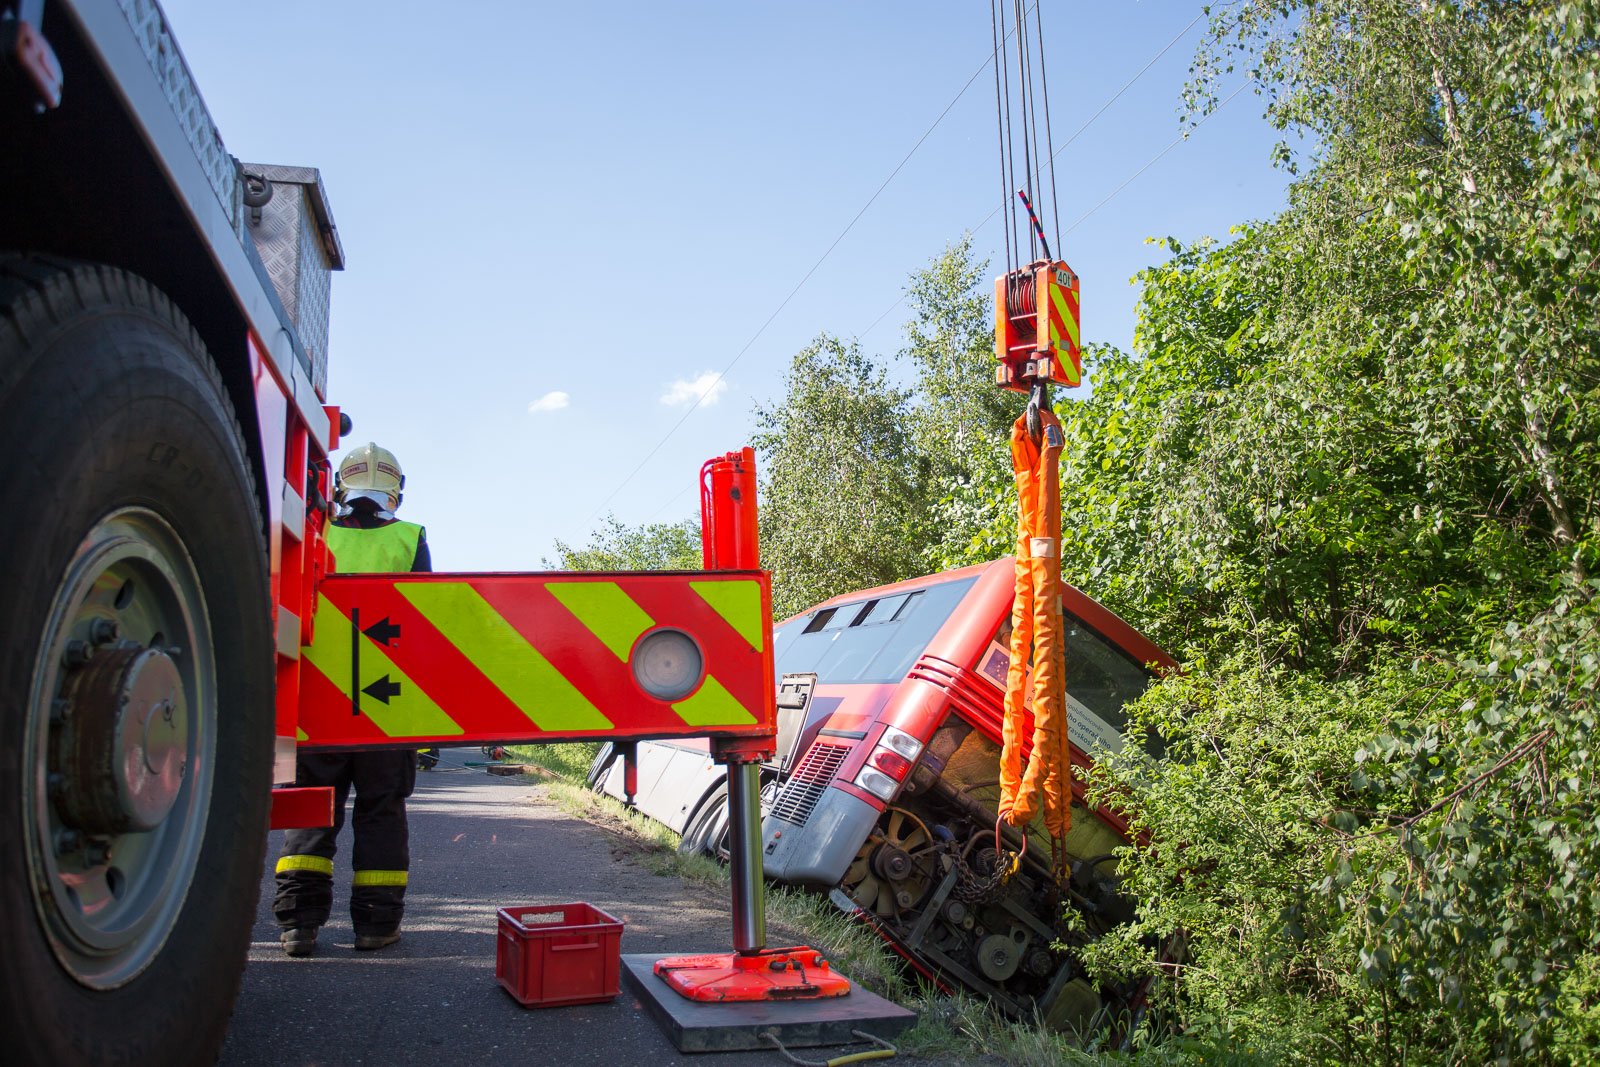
410	660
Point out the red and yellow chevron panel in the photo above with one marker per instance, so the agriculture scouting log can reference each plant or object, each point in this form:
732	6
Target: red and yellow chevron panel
465	659
1037	326
1062	285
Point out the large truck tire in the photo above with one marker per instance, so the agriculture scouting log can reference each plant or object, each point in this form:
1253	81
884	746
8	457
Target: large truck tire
136	676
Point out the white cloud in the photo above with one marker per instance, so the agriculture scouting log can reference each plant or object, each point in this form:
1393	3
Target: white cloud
707	389
550	402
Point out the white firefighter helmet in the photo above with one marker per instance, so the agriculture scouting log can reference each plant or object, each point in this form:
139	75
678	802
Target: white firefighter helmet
370	472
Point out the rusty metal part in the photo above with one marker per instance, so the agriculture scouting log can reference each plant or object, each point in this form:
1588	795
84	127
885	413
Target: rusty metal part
122	747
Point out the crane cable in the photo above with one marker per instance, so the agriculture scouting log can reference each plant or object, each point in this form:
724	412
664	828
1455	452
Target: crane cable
1004	200
798	286
1036	441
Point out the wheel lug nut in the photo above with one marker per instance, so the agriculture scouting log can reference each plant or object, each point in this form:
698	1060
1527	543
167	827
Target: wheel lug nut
103	631
78	653
67	841
59	708
96	853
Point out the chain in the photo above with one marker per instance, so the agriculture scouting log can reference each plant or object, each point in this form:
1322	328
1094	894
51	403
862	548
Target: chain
973	888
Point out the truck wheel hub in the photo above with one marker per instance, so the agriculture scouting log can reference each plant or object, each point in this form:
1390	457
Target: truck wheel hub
124	743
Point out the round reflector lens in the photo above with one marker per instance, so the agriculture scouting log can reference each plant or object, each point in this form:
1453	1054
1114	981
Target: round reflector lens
667	664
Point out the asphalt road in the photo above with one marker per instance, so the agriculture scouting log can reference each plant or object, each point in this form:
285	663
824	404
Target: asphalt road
478	843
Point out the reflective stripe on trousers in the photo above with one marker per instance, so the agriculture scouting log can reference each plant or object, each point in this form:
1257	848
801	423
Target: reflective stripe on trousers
319	864
379	878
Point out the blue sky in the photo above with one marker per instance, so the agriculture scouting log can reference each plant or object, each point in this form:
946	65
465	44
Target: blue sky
559	218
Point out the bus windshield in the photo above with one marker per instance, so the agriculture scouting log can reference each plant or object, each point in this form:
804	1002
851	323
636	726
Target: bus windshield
875	639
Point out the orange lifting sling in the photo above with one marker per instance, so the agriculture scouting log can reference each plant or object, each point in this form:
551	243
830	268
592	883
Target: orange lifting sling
1036	628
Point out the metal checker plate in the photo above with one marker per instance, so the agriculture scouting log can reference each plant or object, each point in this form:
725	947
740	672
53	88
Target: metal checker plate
161	52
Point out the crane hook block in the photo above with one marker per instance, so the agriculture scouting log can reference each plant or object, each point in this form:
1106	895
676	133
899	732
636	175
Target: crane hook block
1036	327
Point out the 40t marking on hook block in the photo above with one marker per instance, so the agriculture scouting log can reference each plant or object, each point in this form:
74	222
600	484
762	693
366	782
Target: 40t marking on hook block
407	660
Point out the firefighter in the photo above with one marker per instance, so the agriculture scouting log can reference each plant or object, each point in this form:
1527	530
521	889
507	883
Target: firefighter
363	537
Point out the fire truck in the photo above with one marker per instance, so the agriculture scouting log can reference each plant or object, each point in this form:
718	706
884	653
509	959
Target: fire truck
172	630
163	355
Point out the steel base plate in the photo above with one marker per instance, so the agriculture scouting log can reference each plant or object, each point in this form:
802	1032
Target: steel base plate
695	1026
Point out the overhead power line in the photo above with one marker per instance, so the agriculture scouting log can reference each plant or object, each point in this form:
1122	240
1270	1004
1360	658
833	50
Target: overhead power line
851	225
1176	141
798	285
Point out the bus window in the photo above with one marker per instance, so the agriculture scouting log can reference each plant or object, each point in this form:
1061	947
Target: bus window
884	609
1100	674
878	641
1101	679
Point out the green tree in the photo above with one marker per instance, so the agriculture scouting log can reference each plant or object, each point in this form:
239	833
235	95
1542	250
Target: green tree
845	488
1350	474
961	417
661	546
861	474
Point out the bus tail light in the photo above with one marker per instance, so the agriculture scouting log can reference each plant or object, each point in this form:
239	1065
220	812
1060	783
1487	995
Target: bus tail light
877	783
901	742
889	763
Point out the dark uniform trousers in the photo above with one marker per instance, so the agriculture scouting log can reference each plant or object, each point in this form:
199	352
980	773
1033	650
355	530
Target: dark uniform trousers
381	858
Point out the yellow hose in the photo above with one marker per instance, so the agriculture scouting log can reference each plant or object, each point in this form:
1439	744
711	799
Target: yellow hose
884	1051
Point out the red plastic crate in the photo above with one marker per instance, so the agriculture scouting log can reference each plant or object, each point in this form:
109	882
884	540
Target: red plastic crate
550	954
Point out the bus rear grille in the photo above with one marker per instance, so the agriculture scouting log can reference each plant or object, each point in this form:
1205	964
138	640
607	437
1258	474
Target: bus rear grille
804	788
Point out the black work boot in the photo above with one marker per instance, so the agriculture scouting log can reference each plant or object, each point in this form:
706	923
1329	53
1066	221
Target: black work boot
368	942
299	940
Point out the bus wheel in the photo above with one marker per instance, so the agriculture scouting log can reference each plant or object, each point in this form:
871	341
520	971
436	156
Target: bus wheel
599	767
706	832
136	711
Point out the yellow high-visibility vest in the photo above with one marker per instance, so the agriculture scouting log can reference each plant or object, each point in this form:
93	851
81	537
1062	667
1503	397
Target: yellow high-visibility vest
379	550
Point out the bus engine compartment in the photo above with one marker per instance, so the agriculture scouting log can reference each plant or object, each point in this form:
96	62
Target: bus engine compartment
929	879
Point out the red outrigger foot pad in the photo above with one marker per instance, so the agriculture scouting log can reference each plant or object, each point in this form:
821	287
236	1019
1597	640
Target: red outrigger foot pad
772	974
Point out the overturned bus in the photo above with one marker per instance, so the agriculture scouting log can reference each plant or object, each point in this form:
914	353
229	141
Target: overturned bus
885	785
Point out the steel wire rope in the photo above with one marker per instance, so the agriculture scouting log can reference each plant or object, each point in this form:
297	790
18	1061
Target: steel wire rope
1081	218
1006	200
1030	132
1044	86
1114	98
798	286
1008	165
1000	128
1024	98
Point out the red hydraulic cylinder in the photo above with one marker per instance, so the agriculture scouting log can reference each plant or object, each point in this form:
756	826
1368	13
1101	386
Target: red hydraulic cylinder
728	540
751	972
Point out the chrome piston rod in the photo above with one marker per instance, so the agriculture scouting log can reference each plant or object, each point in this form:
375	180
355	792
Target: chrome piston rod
744	858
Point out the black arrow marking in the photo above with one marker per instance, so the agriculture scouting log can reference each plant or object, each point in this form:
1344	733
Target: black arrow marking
355	660
383	689
382	630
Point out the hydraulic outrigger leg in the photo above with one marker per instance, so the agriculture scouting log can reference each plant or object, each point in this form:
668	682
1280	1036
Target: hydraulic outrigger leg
751	971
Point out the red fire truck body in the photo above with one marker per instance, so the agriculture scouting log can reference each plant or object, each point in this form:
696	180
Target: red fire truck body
172	635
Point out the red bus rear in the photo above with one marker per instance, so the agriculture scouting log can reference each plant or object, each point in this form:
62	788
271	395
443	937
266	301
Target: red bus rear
894	779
